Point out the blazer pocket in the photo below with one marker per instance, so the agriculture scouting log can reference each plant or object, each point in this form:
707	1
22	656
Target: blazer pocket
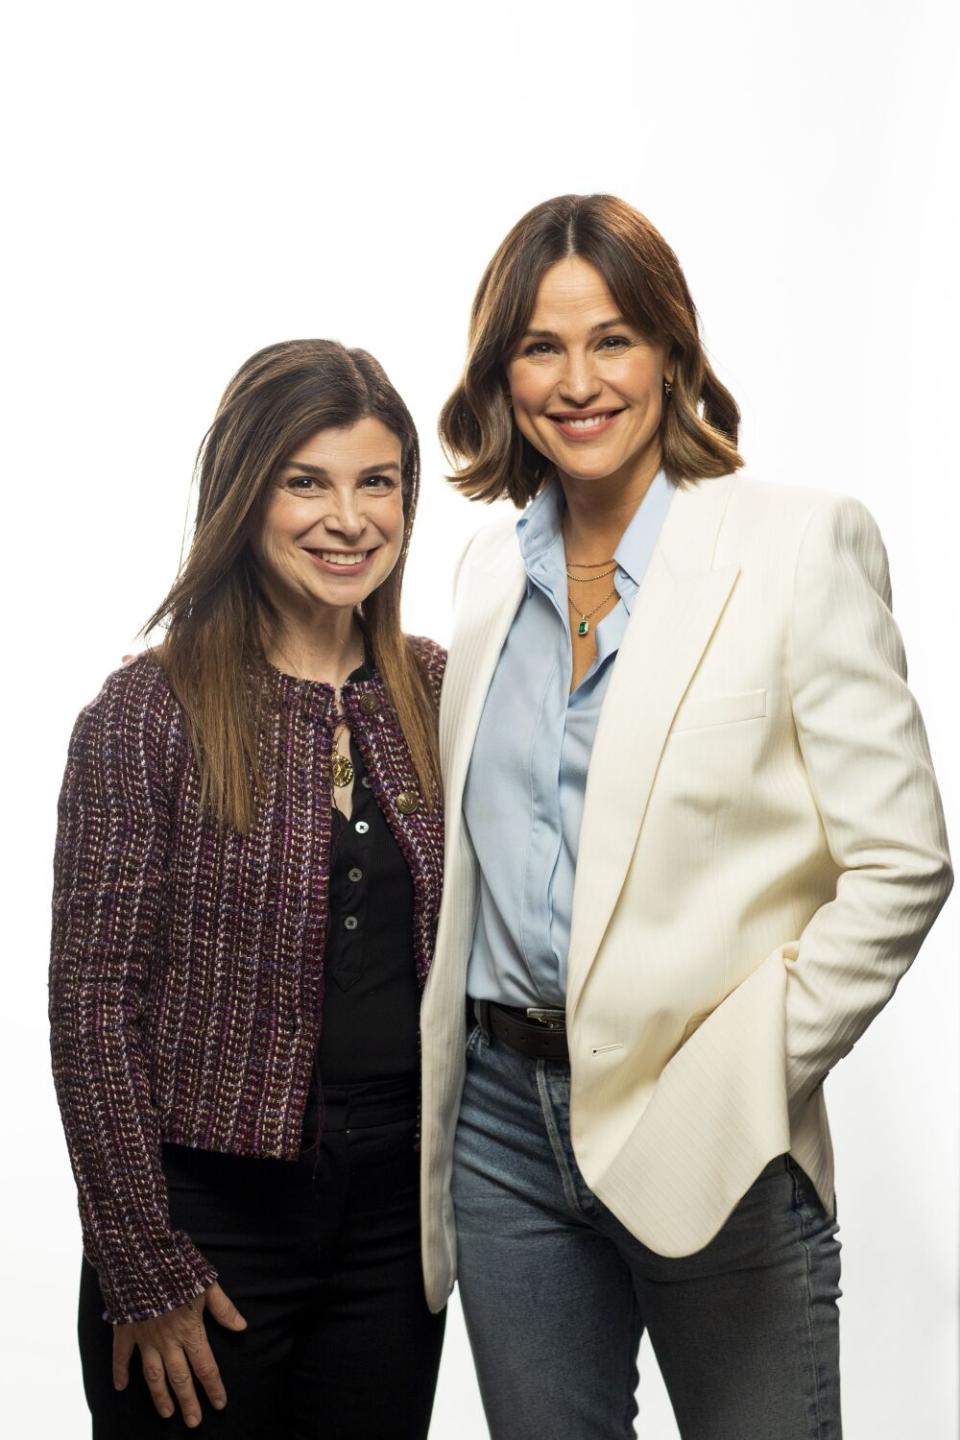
720	710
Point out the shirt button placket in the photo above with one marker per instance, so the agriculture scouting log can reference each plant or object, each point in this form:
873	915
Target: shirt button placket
355	873
351	964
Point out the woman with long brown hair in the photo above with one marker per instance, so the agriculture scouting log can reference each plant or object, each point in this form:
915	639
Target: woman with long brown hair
695	840
247	878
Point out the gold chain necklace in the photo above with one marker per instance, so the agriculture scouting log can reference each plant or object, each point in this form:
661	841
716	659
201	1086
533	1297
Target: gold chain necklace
341	766
586	579
584	627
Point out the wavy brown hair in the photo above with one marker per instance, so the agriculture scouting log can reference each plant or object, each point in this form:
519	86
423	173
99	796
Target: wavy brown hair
700	422
217	613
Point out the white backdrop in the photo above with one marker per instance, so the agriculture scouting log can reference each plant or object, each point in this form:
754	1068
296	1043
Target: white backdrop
186	183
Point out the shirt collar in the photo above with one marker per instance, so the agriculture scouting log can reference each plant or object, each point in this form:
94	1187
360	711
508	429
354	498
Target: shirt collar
638	541
539	527
539	532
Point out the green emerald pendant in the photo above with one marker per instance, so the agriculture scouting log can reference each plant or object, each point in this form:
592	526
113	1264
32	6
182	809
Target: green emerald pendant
583	627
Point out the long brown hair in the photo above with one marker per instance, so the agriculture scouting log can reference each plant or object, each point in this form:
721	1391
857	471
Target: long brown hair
216	612
698	430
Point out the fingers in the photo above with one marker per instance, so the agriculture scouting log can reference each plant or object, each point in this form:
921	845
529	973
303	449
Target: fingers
222	1308
174	1349
123	1343
155	1376
181	1383
204	1366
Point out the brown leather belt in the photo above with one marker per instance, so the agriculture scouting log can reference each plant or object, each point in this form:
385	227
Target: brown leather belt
537	1039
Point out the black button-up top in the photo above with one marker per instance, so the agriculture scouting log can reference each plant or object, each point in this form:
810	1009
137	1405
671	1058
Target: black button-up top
370	1009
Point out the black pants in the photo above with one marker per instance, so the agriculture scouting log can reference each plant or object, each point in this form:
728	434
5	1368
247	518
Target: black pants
322	1258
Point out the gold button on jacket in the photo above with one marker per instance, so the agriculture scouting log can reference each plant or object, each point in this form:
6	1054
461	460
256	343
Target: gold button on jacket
408	801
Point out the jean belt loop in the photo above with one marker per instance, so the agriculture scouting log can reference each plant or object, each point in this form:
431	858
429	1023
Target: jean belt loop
481	1009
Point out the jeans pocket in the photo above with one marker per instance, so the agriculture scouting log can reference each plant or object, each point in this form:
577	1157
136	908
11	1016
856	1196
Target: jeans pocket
807	1201
802	1188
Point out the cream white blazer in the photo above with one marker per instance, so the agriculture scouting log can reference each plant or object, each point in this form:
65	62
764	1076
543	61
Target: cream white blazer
762	853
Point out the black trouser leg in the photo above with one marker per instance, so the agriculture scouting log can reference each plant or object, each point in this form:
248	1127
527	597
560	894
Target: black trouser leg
322	1257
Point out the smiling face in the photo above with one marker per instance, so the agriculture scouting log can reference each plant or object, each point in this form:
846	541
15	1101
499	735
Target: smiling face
332	525
586	386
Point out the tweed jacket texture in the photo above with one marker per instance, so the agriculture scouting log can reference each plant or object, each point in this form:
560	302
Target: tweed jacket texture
186	979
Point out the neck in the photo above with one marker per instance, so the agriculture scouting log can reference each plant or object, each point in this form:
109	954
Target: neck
599	511
325	645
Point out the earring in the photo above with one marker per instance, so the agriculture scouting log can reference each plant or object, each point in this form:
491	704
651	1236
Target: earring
667	389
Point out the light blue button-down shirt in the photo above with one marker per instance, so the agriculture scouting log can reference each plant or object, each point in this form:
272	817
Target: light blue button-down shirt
523	800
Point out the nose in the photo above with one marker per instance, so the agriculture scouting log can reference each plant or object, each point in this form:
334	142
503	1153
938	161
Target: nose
345	517
579	383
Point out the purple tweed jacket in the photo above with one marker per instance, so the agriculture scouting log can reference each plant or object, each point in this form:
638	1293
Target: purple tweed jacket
186	978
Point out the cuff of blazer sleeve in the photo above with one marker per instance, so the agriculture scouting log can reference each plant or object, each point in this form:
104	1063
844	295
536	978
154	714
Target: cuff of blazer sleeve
151	1282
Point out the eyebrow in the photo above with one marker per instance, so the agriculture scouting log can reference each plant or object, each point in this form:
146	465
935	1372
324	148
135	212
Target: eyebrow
323	474
594	329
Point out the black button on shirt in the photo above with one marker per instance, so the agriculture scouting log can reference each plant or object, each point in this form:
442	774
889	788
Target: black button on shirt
371	1001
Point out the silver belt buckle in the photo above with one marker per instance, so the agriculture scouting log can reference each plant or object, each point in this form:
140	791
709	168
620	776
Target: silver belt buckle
552	1019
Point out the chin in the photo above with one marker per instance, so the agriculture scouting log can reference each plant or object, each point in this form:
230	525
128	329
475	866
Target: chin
600	468
349	594
339	599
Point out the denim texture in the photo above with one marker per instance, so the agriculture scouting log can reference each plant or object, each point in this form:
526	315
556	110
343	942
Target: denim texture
557	1293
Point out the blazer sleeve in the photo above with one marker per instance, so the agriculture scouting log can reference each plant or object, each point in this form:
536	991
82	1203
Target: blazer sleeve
112	838
868	764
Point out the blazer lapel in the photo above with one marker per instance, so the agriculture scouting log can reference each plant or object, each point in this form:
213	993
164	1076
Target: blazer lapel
489	595
487	600
674	615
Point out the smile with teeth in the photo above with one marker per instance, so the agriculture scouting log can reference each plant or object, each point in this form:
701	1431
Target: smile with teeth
588	424
583	426
345	559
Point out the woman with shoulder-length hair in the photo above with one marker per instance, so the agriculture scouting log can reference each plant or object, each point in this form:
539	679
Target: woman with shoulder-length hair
694	840
247	879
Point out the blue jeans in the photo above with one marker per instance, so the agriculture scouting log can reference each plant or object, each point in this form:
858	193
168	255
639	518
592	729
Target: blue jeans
557	1293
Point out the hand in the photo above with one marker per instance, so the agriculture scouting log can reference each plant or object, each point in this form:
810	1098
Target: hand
173	1346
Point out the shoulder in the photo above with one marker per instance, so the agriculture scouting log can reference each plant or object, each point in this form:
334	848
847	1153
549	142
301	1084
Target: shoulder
493	544
794	512
491	536
432	659
138	688
135	710
812	537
